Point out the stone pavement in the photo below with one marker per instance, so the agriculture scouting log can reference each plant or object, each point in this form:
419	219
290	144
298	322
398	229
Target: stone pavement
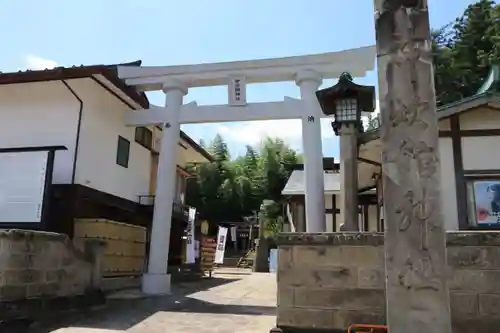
234	300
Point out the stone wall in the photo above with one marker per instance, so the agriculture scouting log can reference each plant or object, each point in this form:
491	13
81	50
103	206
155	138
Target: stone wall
328	281
37	267
125	250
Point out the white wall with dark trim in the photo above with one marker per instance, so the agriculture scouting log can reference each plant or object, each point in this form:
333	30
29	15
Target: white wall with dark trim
102	123
448	188
46	113
40	114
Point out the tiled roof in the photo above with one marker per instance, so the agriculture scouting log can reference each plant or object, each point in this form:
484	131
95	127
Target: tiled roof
76	72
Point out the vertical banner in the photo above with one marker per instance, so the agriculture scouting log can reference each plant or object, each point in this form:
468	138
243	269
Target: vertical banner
197	249
190	240
233	234
234	240
221	245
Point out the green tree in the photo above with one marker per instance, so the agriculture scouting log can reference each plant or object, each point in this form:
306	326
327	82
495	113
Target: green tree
372	123
230	190
218	148
465	50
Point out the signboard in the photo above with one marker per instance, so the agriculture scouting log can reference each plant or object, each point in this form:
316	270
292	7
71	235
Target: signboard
190	240
237	95
221	245
22	186
486	202
208	247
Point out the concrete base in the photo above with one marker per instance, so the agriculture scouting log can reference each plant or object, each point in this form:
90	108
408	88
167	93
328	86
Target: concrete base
156	284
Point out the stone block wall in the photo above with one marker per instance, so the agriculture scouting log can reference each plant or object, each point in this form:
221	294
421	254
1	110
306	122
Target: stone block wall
328	281
43	266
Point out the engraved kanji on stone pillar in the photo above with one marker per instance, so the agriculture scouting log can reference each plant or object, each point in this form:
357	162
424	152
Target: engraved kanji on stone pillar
415	248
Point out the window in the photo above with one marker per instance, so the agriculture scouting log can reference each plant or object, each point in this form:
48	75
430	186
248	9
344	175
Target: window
123	152
484	202
144	137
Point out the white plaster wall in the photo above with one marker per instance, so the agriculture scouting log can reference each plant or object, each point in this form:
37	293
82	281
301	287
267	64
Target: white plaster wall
372	215
448	189
481	152
329	217
480	119
189	155
372	218
297	213
102	123
444	124
338	217
185	152
40	114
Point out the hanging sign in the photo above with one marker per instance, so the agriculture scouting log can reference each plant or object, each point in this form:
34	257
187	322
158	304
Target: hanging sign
190	241
221	245
237	91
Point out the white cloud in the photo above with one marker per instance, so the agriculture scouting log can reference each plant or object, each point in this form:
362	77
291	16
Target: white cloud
254	132
34	62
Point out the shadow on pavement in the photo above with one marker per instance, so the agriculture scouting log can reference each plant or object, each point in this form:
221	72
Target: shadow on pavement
122	314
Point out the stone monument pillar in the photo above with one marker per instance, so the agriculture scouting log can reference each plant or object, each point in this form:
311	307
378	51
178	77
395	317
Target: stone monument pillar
415	247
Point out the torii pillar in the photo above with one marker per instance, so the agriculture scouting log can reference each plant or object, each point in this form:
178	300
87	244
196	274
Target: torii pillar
156	280
314	193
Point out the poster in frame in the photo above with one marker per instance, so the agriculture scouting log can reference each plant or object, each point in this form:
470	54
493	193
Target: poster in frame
486	202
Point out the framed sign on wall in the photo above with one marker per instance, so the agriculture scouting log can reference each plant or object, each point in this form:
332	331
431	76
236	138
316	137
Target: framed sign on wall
25	181
484	202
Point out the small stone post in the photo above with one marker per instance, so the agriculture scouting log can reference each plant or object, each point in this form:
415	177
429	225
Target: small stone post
348	137
416	289
261	264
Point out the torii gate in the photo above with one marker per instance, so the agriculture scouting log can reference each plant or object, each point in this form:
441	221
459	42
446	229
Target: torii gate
307	72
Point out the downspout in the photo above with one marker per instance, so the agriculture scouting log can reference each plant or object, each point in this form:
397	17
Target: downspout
78	129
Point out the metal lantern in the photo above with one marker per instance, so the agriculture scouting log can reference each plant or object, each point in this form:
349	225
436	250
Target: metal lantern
346	100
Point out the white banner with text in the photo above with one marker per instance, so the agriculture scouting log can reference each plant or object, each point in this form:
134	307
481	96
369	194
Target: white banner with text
221	245
190	239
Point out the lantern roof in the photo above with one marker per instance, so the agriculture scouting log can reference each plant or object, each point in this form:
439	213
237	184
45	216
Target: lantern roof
346	88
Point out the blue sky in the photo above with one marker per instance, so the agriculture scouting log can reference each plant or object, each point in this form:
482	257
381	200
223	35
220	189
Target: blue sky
41	34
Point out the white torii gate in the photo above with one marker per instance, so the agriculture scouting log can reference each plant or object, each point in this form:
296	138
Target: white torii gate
307	72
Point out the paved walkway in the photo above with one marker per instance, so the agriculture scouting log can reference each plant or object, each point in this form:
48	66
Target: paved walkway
232	301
